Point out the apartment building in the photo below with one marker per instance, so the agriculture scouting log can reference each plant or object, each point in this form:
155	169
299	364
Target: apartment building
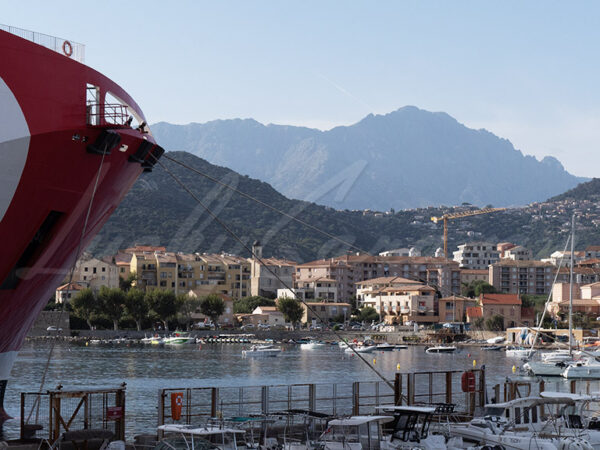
518	253
270	276
592	252
476	255
95	273
522	277
202	273
66	292
413	251
467	276
323	312
321	288
347	270
398	300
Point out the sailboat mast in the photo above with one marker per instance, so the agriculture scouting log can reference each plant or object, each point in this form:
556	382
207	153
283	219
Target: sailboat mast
571	285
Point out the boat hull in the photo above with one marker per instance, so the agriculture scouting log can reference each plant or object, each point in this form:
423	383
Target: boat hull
56	193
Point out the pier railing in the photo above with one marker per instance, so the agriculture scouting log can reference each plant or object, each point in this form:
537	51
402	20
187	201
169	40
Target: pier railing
441	388
47	415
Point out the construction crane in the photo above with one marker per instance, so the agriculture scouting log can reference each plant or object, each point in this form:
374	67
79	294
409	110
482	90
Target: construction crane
447	217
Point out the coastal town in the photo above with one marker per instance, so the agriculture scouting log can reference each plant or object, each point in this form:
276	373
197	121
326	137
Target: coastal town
486	285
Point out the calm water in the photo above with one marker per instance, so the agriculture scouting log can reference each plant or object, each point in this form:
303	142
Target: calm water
146	369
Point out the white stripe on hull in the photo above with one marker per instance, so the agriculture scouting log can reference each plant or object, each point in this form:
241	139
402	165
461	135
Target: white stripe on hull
6	362
14	146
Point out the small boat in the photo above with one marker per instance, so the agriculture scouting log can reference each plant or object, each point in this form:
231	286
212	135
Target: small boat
361	349
441	349
495	340
385	347
179	338
492	348
259	351
311	345
354	433
519	352
587	368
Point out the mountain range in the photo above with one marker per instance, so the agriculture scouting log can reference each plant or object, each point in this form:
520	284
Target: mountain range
408	158
158	211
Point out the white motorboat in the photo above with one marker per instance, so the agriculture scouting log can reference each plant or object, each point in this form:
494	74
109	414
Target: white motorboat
441	349
495	340
528	423
588	368
557	356
519	352
179	338
361	349
259	351
189	437
311	345
546	369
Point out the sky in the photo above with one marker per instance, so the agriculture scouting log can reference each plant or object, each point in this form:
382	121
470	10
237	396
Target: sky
527	71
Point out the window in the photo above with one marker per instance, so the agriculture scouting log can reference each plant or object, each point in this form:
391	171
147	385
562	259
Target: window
85	269
517	416
94	270
104	269
122	269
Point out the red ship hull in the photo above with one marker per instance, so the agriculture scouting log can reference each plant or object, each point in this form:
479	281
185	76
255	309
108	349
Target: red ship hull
48	174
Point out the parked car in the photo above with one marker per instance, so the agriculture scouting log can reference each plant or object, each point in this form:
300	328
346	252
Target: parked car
264	326
53	328
248	326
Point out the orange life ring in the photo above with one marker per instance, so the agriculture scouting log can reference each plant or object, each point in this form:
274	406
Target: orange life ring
467	382
67	48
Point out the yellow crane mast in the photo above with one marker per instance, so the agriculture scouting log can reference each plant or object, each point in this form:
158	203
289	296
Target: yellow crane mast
447	217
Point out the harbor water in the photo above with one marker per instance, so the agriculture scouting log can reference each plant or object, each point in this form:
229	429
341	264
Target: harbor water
146	369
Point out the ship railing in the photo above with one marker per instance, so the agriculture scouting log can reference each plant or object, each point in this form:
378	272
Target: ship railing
107	113
68	48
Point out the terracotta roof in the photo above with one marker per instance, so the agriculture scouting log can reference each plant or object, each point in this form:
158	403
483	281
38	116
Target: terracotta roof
581	302
457	298
72	287
500	299
474	311
388	280
513	263
278	262
593	248
327	303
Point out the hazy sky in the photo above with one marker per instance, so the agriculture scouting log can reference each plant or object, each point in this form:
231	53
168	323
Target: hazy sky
526	71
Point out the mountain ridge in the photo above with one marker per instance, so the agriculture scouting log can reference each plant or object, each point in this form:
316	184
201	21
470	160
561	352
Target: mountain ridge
403	159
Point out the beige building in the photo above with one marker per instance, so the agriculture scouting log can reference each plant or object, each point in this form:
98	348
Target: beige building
66	292
202	273
323	312
508	306
95	273
476	255
586	299
522	277
467	276
518	253
270	276
398	300
454	308
312	289
441	273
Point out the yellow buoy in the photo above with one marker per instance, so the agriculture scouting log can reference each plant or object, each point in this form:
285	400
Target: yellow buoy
398	366
514	369
474	362
87	343
374	360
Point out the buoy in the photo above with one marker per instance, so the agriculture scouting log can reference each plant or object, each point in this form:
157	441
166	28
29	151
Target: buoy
514	369
474	362
87	343
468	355
374	360
398	366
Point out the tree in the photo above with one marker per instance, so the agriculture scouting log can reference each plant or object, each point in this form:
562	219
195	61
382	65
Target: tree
111	304
187	305
248	304
85	305
368	314
136	306
495	323
476	288
164	303
212	306
291	309
126	283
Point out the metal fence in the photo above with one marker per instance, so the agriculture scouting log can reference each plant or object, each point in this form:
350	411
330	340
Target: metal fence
51	413
73	50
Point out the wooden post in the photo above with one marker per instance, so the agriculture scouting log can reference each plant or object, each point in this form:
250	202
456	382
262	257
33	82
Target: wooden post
398	389
448	387
312	397
573	386
161	410
496	394
482	387
23	413
355	398
410	389
214	399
